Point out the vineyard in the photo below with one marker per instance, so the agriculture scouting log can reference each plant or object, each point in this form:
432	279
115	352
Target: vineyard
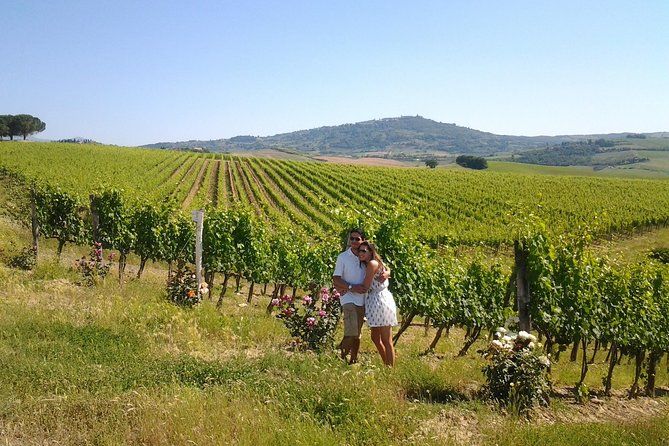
275	228
447	206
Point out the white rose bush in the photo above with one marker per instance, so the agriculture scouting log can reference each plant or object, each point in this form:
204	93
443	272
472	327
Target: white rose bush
517	374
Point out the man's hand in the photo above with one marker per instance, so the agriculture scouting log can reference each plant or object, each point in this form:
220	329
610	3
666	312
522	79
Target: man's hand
359	289
341	290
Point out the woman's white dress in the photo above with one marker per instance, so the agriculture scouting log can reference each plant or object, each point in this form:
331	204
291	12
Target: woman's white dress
380	308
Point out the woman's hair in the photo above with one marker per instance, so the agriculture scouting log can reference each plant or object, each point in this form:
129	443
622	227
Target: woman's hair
375	255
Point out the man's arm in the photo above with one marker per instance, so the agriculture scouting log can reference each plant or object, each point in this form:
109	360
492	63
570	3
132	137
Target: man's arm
340	285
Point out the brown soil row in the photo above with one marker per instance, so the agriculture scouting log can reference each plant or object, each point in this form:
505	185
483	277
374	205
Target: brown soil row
197	184
213	184
279	192
234	196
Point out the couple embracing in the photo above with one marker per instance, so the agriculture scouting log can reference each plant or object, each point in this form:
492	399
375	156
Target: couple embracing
362	280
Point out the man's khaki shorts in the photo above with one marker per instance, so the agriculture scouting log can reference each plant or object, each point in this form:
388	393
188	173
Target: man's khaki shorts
353	319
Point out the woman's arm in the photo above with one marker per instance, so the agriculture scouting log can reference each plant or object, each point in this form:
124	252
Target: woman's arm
370	271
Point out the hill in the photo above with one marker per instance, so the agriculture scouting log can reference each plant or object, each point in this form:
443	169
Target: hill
392	137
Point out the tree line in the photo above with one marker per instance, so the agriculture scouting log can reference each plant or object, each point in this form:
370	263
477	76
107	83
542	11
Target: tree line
20	125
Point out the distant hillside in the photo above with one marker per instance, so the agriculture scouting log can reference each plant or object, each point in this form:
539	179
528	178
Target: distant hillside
596	153
389	136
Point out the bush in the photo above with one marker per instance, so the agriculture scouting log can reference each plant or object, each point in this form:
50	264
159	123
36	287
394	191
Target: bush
94	269
182	288
312	321
26	259
517	374
472	162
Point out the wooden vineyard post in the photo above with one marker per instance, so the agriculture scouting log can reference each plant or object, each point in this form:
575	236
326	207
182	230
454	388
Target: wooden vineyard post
96	219
198	218
33	221
522	287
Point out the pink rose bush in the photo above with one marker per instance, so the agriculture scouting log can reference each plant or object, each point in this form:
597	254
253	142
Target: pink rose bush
94	269
311	320
182	288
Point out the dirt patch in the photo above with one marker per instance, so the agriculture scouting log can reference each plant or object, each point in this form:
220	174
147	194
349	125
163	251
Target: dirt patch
366	161
466	426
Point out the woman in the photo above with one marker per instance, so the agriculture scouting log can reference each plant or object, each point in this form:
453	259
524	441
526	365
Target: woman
380	309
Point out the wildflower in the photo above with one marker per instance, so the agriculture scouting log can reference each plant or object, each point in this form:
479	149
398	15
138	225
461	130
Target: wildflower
523	335
288	311
497	344
311	321
275	302
336	295
530	345
501	330
307	300
544	360
322	313
190	293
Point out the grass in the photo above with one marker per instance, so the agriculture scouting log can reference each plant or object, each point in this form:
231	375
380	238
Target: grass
117	364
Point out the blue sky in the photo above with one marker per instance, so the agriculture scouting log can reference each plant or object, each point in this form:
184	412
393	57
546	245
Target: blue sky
139	72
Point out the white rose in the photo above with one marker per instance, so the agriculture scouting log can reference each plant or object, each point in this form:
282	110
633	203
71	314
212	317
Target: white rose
530	345
523	335
544	360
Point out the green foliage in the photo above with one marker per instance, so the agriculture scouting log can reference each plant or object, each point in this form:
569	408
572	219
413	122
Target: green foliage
431	163
447	206
22	125
178	244
472	162
148	222
581	153
59	216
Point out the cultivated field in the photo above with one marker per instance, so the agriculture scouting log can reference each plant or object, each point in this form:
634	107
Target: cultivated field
450	205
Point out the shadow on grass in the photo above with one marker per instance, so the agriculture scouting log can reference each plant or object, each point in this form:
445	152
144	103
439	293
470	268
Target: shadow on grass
428	393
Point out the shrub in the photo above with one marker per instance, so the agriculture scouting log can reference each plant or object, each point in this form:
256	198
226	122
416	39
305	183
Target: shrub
182	288
26	259
516	376
312	321
94	269
472	162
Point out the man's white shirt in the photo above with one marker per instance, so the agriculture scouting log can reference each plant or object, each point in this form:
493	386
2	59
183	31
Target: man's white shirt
348	268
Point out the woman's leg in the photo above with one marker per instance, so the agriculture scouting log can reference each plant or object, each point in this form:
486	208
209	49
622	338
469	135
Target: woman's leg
386	334
376	339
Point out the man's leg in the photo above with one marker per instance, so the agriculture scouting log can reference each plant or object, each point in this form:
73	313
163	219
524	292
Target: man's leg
359	313
347	344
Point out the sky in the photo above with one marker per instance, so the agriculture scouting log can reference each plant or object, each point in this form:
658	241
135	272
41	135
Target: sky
139	72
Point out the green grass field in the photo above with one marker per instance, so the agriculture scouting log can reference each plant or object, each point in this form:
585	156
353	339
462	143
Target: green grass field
120	365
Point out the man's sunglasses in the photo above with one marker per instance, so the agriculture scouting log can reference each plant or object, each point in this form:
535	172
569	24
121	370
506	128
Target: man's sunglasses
354	239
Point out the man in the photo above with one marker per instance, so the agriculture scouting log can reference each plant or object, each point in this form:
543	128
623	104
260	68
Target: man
348	278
